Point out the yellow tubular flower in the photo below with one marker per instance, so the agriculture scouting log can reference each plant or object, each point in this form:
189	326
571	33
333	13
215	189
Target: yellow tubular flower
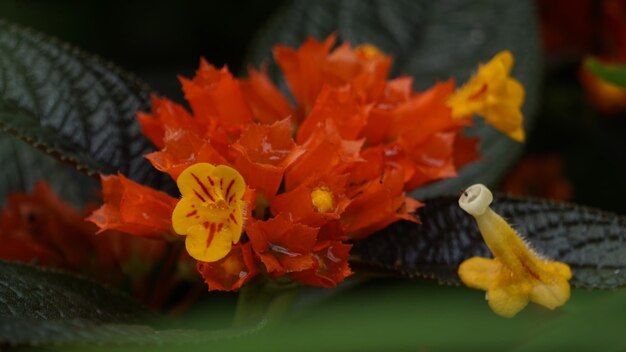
516	274
494	95
210	213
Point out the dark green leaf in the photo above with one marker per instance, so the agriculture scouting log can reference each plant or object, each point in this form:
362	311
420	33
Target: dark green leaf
72	106
23	165
42	307
431	41
591	241
30	292
82	333
615	74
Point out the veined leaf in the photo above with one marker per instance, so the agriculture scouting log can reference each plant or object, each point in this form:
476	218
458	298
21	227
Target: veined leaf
72	106
23	165
615	74
430	41
30	292
42	307
592	242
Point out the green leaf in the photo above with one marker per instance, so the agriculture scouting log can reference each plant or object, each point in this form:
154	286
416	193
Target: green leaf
72	106
31	292
33	295
23	165
592	242
431	41
40	307
615	74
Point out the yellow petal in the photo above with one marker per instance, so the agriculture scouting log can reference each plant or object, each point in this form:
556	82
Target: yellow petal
230	181
193	182
515	92
554	290
185	215
508	300
208	246
503	60
561	269
493	94
507	119
551	295
480	273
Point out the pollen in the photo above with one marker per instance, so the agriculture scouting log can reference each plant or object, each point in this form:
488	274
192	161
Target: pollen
369	51
322	200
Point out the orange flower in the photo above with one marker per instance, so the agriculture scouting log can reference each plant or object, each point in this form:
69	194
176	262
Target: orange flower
265	151
325	151
282	245
312	66
132	208
185	149
216	98
331	265
361	141
231	272
378	204
267	103
314	202
166	120
303	69
340	106
40	228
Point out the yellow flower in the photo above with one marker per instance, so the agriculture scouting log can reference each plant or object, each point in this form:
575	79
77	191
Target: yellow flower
516	274
493	94
211	211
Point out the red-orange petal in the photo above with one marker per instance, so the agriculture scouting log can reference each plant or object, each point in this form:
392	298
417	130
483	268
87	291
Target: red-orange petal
264	152
231	272
215	95
298	207
282	246
325	152
331	265
133	208
340	105
267	102
376	205
186	149
303	68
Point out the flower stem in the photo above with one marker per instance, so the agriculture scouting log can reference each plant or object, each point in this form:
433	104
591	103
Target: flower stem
264	300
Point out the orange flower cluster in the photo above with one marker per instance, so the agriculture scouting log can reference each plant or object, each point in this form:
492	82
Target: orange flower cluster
276	189
40	228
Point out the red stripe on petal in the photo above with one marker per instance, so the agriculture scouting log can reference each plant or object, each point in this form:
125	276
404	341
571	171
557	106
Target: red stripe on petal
211	235
199	196
204	189
230	186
